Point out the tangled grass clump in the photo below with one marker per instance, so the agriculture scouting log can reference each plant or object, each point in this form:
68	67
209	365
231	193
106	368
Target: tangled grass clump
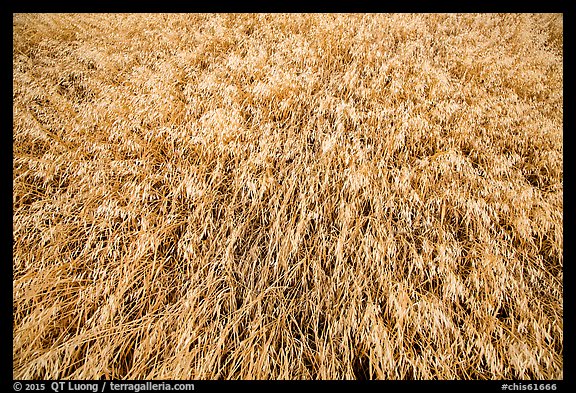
301	196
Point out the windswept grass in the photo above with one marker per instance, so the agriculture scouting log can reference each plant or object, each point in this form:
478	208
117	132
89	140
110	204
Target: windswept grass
287	196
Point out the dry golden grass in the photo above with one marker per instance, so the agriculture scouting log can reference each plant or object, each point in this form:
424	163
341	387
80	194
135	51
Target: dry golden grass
287	196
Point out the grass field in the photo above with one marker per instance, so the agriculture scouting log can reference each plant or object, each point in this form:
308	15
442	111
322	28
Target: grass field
301	196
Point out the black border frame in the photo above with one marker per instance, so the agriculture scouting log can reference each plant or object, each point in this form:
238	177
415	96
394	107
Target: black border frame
420	6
